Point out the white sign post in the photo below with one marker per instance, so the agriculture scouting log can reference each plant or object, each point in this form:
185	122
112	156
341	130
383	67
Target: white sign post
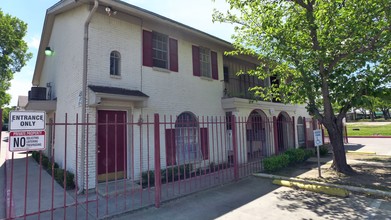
318	140
27	131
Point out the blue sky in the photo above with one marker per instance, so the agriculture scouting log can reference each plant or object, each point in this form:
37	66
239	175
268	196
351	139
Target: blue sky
194	13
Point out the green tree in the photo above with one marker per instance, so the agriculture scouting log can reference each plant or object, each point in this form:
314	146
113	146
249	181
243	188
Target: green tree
384	103
13	52
5	114
324	53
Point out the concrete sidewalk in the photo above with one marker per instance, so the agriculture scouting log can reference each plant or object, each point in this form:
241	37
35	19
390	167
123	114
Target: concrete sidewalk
258	198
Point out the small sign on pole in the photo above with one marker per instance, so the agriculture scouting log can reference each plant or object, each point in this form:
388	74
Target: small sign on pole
318	141
27	131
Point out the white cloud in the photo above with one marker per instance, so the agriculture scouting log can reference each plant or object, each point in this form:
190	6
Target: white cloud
20	85
33	42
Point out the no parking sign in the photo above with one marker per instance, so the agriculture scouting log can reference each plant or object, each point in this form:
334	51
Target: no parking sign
318	139
27	131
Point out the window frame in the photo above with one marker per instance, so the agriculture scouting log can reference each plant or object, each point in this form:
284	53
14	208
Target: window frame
211	63
160	50
205	62
115	63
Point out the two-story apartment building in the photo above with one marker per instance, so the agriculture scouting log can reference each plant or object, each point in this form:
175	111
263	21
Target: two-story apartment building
110	61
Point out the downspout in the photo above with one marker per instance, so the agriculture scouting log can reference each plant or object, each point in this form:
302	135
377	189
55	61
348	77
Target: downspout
84	96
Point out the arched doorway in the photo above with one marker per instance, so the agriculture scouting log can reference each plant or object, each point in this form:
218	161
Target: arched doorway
257	140
186	138
300	132
284	131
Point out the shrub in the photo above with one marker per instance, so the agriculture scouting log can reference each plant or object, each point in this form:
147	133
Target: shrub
290	157
145	179
275	163
167	175
323	150
59	177
45	161
295	156
58	173
308	153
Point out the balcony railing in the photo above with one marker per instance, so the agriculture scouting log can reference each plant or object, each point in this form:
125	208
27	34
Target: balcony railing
240	88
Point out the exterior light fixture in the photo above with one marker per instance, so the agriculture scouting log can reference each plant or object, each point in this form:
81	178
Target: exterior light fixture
110	11
49	51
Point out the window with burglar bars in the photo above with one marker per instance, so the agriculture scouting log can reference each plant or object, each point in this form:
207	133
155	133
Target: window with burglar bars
186	139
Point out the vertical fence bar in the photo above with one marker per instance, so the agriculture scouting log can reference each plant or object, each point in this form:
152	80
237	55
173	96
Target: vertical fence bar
132	199
39	186
124	157
77	150
96	165
148	160
275	135
140	123
216	140
116	124
53	138
157	160
25	186
10	211
87	160
107	162
305	132
293	131
235	149
65	166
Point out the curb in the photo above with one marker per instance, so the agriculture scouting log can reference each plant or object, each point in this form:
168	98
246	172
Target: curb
314	188
360	152
380	136
324	185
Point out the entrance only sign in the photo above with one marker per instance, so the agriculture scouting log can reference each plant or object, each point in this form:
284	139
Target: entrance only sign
23	120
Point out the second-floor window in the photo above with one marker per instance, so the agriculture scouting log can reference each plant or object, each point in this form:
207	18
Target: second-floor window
115	63
160	50
205	62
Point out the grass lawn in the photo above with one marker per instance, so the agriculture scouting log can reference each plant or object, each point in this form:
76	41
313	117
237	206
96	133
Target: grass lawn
368	129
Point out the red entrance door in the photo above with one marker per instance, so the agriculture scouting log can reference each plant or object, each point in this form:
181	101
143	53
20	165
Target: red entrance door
111	145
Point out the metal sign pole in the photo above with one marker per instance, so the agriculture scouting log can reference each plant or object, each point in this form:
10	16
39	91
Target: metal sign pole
320	175
318	139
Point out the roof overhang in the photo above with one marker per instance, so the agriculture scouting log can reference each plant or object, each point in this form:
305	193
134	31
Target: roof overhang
42	105
120	7
99	94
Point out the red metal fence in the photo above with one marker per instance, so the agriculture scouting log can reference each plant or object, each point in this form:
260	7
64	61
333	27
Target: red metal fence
116	164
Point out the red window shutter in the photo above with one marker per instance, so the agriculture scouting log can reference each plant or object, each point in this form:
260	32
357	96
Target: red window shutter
196	61
215	72
173	44
147	48
170	147
204	143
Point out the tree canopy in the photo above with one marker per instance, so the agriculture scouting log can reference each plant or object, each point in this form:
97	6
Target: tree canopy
325	53
13	52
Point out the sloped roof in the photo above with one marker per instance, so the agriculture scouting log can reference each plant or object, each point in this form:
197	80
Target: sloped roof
120	6
116	91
